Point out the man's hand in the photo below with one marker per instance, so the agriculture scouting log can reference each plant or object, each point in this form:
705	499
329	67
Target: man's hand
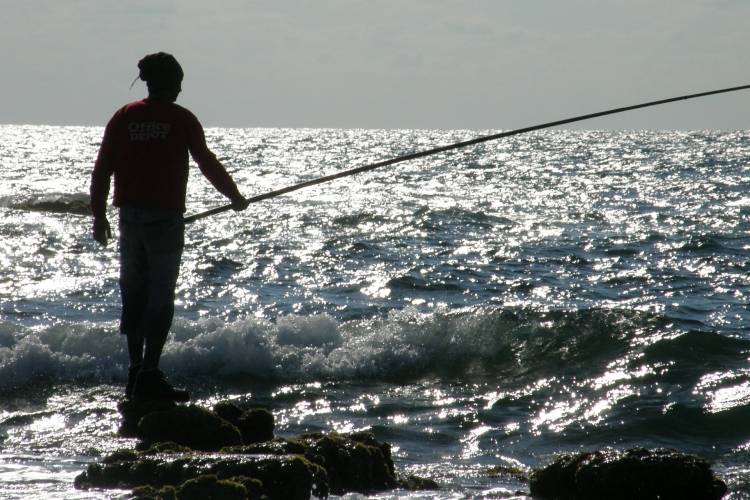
239	203
102	231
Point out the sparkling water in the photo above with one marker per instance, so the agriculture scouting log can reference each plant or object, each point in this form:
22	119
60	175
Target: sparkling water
491	306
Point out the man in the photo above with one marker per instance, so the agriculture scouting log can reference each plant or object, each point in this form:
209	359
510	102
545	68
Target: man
146	146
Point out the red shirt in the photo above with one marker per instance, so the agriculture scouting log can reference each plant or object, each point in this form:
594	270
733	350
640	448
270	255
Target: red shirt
146	146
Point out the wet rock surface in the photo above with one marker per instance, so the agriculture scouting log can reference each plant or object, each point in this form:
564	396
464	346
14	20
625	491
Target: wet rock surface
637	473
197	428
187	452
353	463
288	477
190	452
191	426
255	425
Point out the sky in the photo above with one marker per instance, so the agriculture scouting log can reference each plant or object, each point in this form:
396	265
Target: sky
388	64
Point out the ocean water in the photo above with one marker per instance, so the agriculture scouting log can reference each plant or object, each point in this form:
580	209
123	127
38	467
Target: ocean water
492	306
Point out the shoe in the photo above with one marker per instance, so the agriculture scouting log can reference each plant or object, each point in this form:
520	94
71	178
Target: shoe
132	374
151	386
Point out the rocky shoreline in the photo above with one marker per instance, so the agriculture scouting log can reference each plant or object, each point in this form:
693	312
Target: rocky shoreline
191	452
227	452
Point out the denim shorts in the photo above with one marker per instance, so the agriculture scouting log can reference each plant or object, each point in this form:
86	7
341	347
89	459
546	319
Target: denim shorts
151	243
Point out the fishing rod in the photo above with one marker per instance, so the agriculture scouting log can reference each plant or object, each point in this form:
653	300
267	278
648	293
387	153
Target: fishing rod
478	140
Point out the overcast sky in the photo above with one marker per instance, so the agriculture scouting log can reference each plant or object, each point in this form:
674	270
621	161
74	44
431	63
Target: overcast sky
429	64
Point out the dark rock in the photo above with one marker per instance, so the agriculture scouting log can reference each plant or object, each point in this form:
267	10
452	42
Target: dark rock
156	448
211	488
132	412
353	463
636	473
168	464
201	488
277	446
513	472
253	486
415	483
280	478
256	425
292	477
81	481
191	426
228	411
120	456
151	493
557	480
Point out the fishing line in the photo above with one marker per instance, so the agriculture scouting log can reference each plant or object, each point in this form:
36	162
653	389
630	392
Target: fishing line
478	140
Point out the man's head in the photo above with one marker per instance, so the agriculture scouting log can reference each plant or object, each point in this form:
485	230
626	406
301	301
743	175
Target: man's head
161	72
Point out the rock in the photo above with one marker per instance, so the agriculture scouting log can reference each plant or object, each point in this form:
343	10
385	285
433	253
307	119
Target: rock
211	488
278	478
132	412
415	483
151	493
120	456
157	448
513	472
191	426
636	473
353	463
169	463
201	488
228	411
288	478
256	425
253	486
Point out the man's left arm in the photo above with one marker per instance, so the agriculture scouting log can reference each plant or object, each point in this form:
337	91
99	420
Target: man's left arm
212	168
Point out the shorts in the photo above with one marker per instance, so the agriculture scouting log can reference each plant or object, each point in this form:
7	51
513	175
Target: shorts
151	243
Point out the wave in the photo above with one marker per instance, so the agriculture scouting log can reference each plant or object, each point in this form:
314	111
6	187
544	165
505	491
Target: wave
405	345
54	203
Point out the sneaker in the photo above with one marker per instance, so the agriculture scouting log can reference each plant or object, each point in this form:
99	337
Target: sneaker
132	374
150	385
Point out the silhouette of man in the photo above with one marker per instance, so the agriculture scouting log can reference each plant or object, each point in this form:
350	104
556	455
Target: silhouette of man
146	146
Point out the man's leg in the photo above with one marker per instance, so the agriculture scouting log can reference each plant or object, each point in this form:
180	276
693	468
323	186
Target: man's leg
154	347
135	352
164	241
135	348
133	291
150	383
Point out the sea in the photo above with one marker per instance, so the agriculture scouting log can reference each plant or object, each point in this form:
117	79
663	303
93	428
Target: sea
483	310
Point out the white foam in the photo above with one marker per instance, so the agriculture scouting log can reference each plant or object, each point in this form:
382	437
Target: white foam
317	347
62	352
406	343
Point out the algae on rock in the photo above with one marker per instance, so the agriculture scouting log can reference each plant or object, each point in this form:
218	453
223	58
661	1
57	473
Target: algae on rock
662	474
190	452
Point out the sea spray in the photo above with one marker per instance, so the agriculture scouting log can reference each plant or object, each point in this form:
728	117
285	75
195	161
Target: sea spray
405	345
